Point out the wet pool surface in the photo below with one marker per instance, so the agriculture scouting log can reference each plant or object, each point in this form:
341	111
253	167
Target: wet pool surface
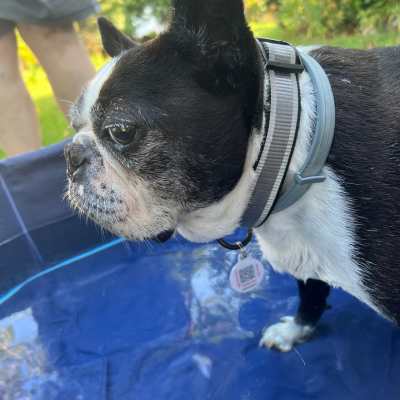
162	323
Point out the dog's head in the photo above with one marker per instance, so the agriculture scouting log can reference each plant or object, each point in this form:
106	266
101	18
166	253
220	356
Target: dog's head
163	128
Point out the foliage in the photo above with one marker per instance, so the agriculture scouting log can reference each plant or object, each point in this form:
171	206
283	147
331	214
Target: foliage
330	17
306	17
128	10
359	41
381	15
255	9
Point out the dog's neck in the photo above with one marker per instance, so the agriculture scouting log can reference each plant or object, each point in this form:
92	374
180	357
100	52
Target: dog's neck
224	217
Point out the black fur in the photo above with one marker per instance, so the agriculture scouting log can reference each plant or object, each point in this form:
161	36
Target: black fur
313	295
193	91
114	41
221	51
366	156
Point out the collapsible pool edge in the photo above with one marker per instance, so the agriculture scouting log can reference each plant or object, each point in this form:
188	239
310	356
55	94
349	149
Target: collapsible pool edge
85	315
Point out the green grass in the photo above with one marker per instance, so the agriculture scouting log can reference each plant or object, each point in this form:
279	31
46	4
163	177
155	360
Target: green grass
54	126
360	41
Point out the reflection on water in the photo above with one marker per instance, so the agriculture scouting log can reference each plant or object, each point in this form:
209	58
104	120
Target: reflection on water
204	364
23	368
214	306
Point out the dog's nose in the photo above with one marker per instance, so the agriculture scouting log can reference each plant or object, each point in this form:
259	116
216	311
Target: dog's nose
76	156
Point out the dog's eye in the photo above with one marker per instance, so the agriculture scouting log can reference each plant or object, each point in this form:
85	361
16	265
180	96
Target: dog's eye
121	134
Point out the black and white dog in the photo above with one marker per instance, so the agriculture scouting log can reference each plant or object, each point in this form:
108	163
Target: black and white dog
164	144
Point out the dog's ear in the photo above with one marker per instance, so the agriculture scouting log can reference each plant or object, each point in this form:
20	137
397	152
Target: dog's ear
215	37
114	41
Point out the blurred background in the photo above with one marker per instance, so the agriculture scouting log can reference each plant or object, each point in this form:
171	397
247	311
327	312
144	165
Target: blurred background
346	23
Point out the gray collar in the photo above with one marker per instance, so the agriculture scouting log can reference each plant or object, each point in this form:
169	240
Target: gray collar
283	64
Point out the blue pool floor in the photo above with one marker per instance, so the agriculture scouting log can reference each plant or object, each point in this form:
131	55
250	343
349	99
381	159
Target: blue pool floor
160	322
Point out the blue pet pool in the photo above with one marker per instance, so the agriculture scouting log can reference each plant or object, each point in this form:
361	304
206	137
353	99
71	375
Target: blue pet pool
84	315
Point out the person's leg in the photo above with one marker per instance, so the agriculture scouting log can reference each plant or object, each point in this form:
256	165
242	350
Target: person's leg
19	127
63	56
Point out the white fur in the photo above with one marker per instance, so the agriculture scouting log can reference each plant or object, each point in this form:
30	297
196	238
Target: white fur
314	238
92	91
80	113
285	334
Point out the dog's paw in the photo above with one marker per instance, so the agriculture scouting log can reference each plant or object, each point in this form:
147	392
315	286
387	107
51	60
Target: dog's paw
285	334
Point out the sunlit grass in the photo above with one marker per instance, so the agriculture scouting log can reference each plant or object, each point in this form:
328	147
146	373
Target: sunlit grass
273	31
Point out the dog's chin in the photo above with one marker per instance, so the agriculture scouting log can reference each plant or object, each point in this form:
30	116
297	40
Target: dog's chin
112	214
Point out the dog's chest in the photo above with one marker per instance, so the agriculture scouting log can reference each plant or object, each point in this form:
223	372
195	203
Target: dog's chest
314	239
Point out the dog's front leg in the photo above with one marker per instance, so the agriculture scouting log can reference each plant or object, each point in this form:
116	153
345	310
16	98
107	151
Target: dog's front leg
291	330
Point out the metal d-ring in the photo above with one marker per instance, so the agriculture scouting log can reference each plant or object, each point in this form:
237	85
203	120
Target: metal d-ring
238	245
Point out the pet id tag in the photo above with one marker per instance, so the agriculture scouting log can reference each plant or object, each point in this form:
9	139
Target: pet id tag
246	274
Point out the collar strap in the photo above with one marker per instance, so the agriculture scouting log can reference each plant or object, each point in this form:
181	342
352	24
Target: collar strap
311	171
283	65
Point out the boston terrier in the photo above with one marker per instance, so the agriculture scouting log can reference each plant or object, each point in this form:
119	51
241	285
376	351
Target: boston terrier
165	144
